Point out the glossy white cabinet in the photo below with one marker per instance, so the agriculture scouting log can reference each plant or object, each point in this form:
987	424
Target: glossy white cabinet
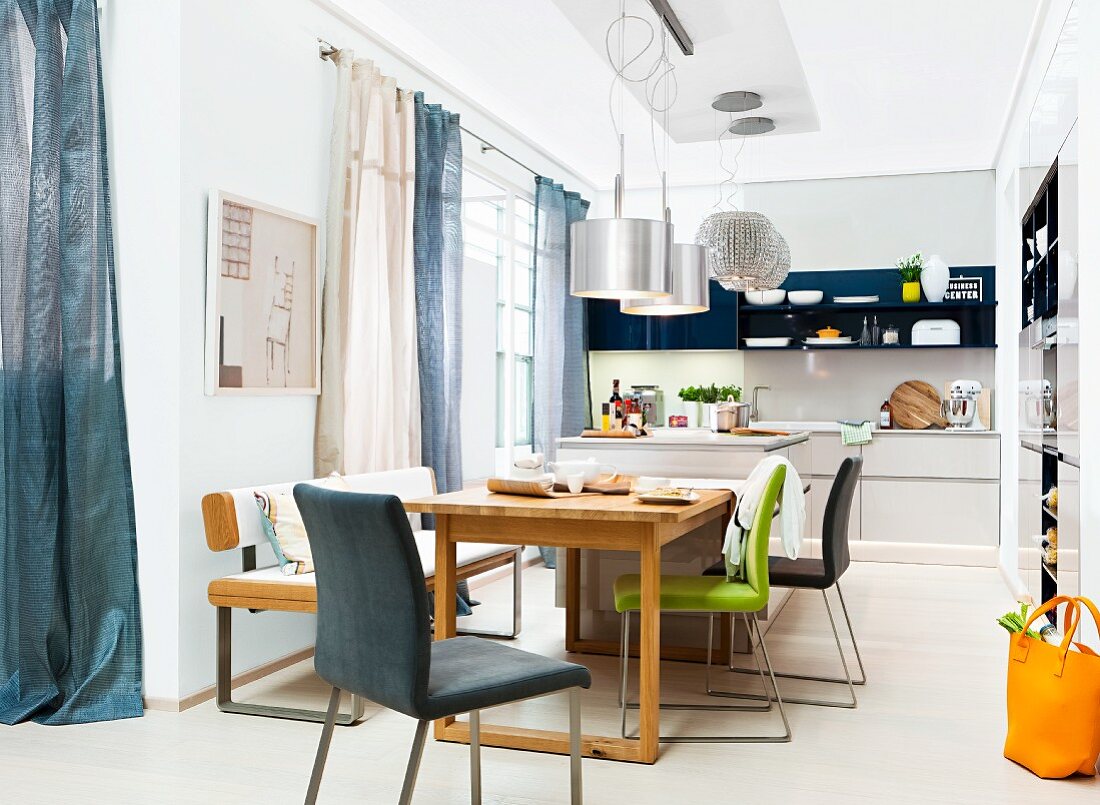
930	512
936	455
816	509
1067	396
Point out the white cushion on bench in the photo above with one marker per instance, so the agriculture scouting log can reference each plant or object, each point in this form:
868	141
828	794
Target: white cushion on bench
408	484
466	552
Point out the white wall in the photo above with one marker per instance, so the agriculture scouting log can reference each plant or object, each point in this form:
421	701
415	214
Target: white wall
830	224
140	46
255	120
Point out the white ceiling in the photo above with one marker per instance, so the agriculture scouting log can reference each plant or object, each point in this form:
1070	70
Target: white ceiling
739	45
866	87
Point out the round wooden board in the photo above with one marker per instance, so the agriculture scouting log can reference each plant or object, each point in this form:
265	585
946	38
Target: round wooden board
915	405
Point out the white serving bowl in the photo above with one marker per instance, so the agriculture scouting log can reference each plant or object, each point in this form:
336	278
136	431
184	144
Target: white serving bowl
775	297
805	297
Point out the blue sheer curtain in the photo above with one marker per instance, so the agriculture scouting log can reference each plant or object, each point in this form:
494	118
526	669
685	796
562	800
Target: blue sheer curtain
69	618
437	260
437	257
563	403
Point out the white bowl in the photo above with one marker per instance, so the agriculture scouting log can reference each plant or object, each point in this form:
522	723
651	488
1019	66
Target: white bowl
775	297
805	297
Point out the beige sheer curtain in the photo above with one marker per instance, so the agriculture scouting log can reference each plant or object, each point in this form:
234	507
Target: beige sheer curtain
368	416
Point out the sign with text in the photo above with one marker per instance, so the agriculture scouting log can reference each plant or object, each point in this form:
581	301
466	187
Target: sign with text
963	289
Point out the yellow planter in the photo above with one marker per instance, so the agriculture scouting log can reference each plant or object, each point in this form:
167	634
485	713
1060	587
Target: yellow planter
910	292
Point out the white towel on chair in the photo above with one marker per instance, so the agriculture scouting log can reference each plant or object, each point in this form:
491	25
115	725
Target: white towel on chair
792	513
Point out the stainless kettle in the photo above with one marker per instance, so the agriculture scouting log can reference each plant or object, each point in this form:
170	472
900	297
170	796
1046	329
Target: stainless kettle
729	415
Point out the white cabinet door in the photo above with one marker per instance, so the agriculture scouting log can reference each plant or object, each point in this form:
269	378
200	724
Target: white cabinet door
930	512
828	452
1030	520
822	488
938	455
1067	394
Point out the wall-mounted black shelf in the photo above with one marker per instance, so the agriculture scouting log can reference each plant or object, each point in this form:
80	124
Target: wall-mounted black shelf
869	307
976	318
851	347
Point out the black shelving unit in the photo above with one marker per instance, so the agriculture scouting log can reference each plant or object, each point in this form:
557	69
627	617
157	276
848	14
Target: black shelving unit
976	319
1039	268
1039	309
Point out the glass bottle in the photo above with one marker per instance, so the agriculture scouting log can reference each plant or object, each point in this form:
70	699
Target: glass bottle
865	335
876	333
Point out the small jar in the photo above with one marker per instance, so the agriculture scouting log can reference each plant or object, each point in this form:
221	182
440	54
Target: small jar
890	336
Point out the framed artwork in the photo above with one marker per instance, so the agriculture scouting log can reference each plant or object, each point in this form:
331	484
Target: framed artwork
263	299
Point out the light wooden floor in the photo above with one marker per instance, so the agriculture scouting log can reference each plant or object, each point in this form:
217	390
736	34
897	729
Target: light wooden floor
929	727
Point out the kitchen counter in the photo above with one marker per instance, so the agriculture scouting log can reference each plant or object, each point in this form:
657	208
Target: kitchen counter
695	438
834	427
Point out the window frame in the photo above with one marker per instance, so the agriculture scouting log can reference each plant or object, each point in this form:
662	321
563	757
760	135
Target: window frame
510	247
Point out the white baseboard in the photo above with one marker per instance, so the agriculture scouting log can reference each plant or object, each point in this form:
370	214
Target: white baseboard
245	677
911	553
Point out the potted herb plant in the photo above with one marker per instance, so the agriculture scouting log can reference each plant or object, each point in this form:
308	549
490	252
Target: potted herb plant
909	270
693	408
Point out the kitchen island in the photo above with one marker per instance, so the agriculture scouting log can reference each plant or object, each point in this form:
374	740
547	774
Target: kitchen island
688	457
925	496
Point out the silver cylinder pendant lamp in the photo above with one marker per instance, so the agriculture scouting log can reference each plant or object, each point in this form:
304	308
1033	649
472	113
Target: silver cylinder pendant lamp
690	286
621	258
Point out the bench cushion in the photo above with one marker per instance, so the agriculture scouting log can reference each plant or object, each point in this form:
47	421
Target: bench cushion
299	592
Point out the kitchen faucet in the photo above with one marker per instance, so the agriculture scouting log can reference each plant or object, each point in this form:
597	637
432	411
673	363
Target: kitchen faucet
754	412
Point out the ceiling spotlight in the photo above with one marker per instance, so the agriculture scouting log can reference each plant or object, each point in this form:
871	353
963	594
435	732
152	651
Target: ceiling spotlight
740	101
748	126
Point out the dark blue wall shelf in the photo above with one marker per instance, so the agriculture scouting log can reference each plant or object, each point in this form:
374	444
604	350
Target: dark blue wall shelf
730	319
976	319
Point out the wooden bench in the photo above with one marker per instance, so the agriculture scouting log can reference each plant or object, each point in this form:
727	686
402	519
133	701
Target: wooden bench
233	521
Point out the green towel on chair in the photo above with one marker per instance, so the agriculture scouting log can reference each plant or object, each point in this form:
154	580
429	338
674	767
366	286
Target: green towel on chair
855	433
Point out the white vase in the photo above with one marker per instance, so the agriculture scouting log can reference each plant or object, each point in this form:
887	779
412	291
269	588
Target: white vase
934	277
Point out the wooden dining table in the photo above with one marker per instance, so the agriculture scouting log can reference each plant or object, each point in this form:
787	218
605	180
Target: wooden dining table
601	522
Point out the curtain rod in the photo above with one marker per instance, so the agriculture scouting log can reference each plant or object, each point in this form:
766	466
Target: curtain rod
326	50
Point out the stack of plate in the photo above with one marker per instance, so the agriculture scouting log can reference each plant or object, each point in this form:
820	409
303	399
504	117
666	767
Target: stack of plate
855	300
828	342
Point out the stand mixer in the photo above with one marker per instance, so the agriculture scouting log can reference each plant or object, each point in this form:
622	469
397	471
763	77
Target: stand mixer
960	409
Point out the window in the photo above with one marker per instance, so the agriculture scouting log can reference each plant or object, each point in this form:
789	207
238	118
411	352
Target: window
498	222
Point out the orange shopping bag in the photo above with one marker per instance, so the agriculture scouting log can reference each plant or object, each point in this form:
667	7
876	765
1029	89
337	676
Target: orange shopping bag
1054	698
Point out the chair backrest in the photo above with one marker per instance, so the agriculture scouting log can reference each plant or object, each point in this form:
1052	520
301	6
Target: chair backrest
233	520
756	550
372	604
834	529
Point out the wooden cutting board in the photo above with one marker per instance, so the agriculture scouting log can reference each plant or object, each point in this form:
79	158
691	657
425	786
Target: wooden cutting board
915	405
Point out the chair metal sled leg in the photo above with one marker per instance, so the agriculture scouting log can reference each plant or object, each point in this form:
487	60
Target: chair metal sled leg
414	763
475	757
322	747
224	686
626	705
851	702
576	786
517	605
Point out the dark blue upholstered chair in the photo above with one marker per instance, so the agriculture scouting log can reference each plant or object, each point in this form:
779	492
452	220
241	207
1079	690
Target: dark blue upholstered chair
374	635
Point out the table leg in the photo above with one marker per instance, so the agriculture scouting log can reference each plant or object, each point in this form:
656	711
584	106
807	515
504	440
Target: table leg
572	596
650	650
445	587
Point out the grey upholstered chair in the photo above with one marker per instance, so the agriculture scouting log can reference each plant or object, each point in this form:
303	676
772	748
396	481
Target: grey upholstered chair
373	635
822	574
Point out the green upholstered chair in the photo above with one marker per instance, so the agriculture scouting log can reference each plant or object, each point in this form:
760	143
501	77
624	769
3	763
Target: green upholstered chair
712	595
